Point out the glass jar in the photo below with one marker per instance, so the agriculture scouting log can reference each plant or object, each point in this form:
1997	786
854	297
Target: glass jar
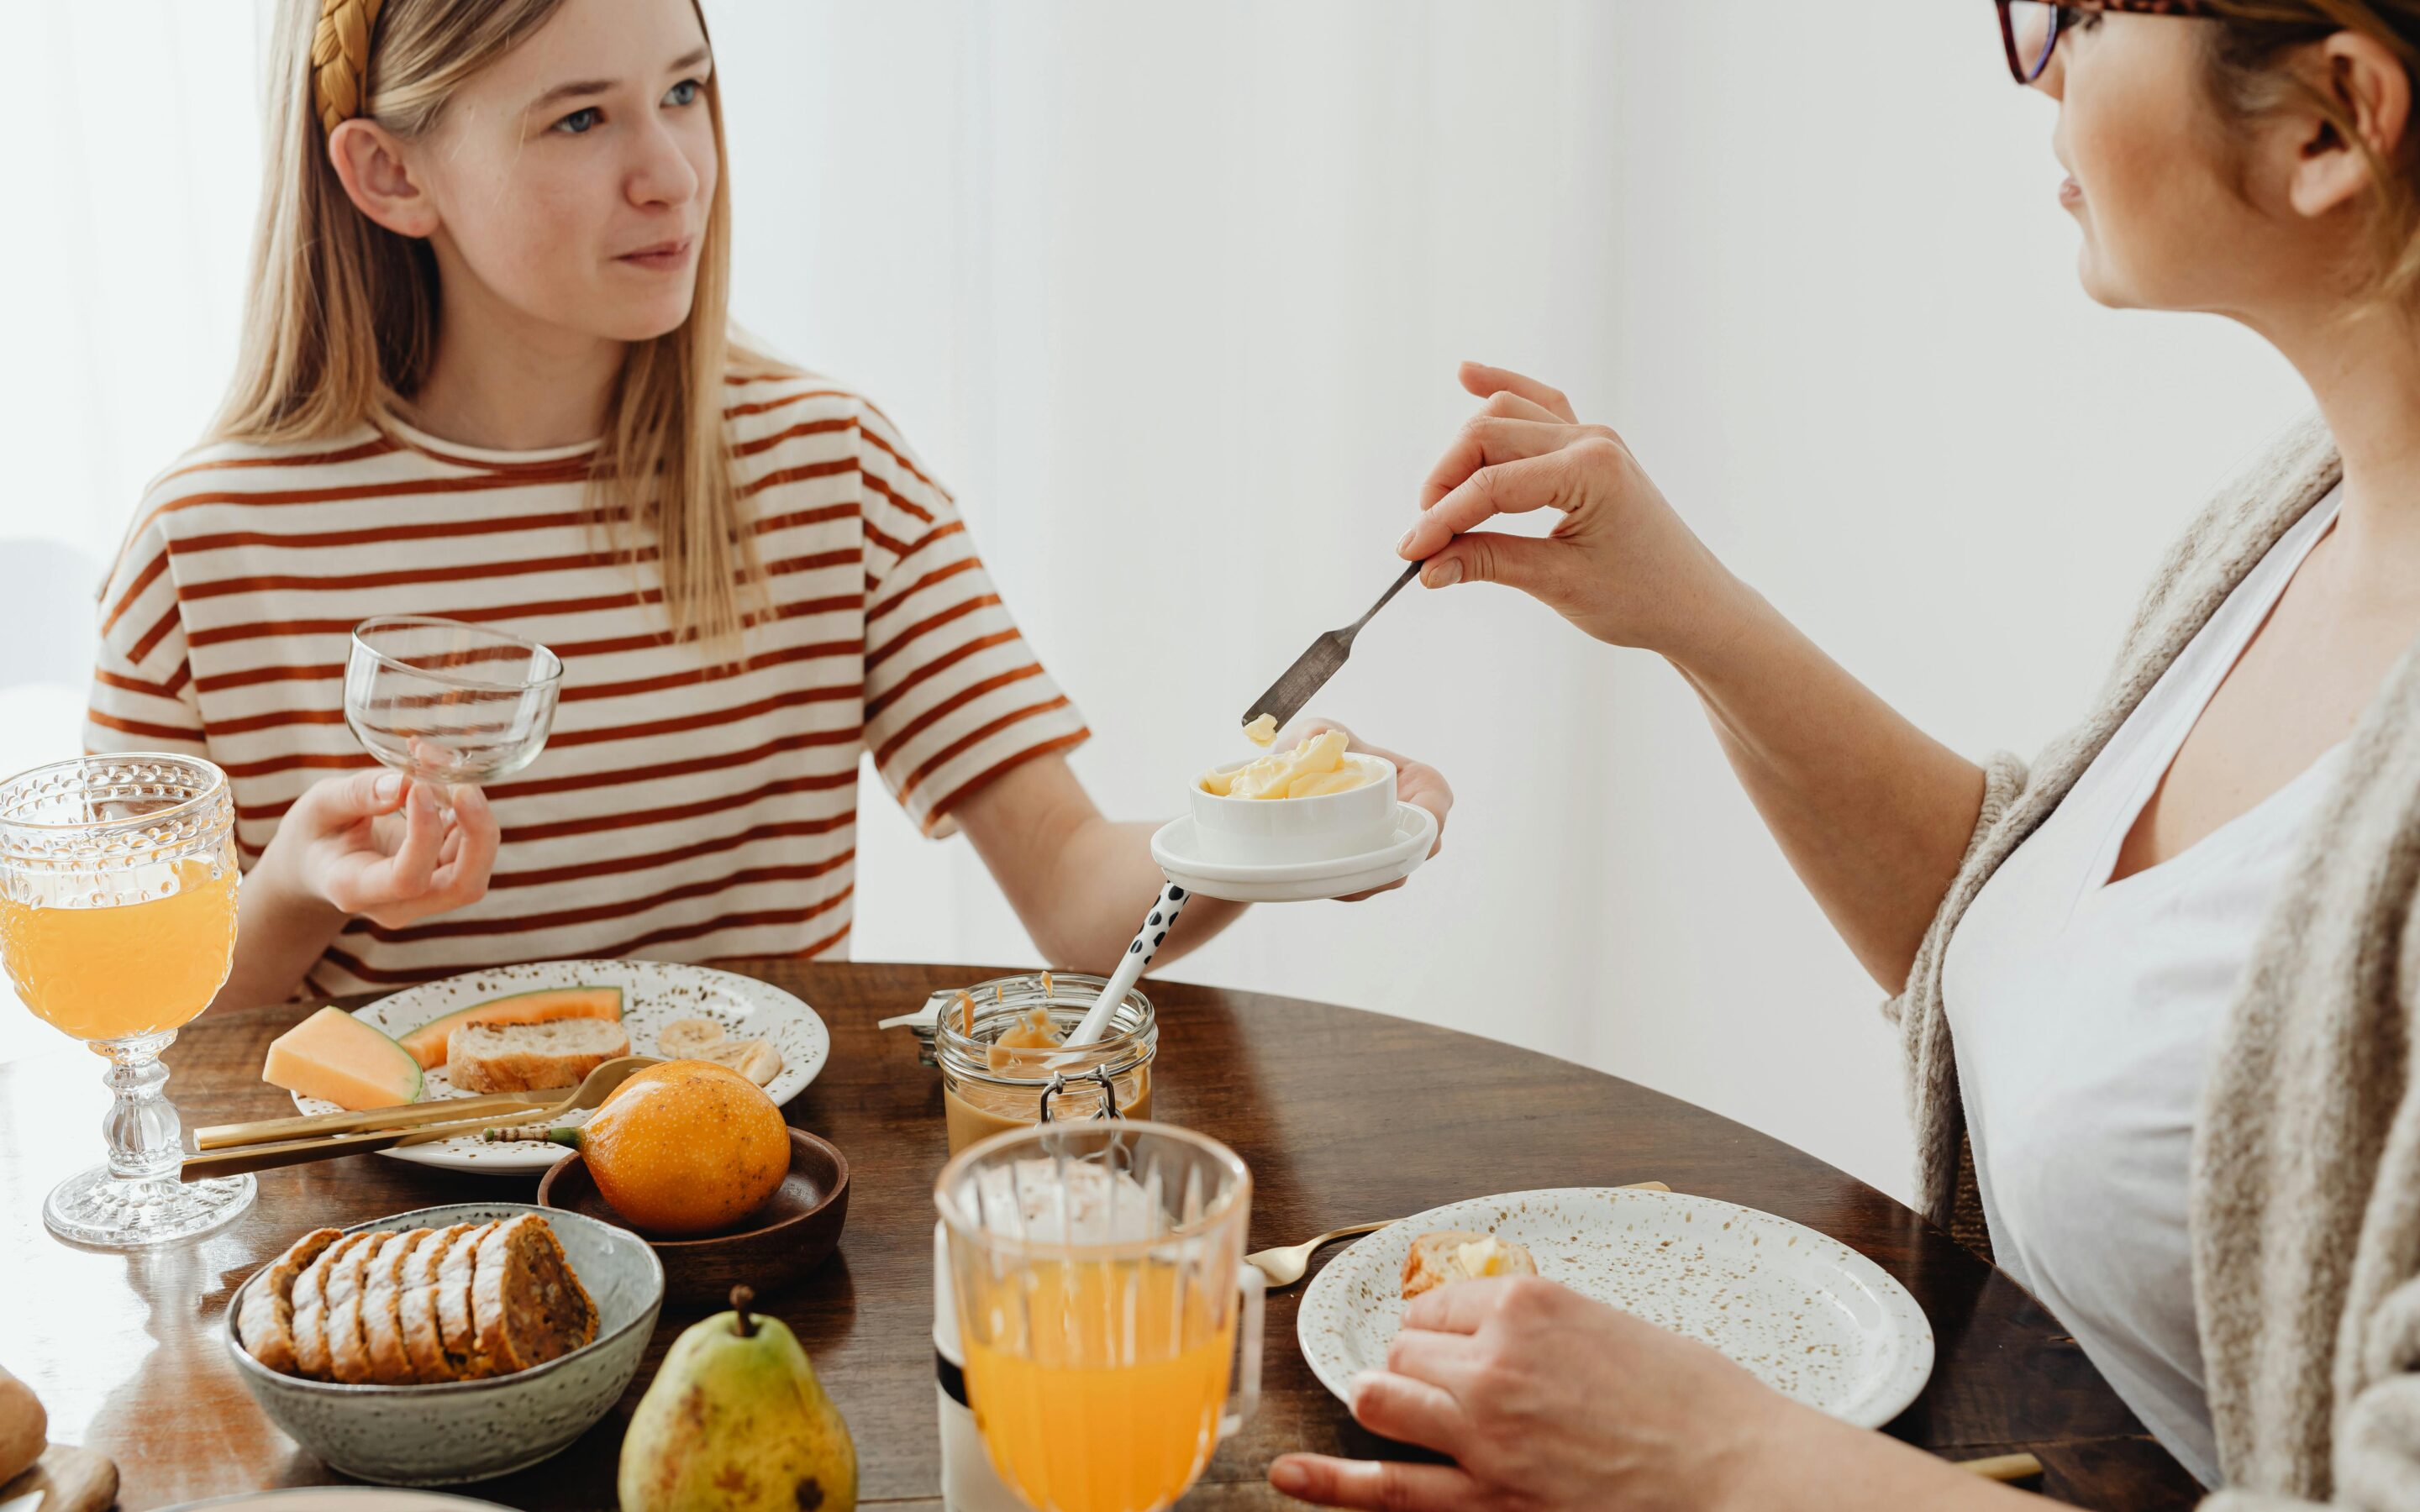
986	1089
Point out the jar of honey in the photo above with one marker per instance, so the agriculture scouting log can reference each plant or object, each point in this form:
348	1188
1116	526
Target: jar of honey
1002	1073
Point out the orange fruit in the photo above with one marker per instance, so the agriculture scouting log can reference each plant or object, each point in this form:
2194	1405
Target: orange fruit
687	1147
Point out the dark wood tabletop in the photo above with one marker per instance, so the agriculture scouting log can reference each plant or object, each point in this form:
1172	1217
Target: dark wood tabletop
1342	1116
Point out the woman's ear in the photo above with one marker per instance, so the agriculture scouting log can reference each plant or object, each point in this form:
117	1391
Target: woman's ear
377	177
2367	84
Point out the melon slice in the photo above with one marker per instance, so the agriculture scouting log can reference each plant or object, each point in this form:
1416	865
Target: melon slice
426	1043
335	1056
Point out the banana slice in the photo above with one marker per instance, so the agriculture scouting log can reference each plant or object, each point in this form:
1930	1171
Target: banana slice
688	1038
755	1059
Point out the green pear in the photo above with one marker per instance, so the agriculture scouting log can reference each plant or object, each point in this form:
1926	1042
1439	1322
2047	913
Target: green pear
736	1421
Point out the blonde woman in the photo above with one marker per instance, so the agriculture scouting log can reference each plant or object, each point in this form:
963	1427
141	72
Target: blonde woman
2157	994
487	374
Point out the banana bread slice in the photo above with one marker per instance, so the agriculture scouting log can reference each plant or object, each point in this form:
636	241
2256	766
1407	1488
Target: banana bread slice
423	1342
311	1307
454	1327
265	1325
382	1310
529	1305
349	1358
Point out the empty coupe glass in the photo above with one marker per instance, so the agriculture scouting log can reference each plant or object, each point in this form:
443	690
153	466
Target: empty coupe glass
448	703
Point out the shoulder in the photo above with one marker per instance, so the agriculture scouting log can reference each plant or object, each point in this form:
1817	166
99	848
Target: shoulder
2271	489
229	473
777	416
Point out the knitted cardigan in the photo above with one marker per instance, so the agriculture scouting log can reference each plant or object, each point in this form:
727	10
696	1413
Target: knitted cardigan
2306	1186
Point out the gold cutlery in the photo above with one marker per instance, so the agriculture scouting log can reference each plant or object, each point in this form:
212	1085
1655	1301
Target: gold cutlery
1284	1267
403	1115
2002	1467
267	1152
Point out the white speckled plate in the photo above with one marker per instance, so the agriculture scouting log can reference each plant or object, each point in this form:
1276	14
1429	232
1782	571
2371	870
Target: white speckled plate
1805	1314
654	993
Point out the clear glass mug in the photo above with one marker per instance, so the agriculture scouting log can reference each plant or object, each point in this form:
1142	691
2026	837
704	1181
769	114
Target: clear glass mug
1101	1292
118	922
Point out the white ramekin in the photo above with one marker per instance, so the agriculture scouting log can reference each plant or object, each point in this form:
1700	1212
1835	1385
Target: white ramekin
1288	831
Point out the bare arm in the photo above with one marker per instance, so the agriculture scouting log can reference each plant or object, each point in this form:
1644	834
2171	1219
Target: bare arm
1873	814
1081	883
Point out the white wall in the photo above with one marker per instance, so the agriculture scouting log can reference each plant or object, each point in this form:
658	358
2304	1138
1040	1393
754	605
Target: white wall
1172	298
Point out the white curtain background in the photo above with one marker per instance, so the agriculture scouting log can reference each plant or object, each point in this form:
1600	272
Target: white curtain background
1173	297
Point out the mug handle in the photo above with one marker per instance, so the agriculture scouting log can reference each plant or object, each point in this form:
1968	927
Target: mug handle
1247	1340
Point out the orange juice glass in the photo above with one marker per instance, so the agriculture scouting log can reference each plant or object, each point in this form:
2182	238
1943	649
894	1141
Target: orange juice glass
1101	1292
117	919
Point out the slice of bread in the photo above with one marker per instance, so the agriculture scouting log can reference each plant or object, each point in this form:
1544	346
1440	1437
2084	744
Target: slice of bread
382	1310
527	1302
1451	1254
265	1325
454	1275
311	1307
424	1341
521	1057
349	1358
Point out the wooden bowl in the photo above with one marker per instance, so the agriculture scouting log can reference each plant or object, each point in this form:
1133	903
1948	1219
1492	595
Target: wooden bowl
787	1237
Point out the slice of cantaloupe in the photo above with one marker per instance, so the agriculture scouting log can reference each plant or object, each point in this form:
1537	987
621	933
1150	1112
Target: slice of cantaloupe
335	1056
428	1042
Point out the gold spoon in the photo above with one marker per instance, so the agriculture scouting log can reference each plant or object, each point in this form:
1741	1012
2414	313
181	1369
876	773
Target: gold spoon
1284	1267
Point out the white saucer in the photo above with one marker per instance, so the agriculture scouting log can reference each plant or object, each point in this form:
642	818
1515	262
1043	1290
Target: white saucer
1175	849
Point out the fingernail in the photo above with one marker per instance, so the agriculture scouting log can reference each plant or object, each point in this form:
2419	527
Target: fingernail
1404	544
1289	1477
388	786
1444	575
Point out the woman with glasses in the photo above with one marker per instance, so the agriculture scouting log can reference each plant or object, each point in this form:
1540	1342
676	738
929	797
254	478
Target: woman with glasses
2157	992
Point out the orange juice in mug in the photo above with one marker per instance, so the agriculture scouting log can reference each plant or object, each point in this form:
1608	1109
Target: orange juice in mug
1097	1269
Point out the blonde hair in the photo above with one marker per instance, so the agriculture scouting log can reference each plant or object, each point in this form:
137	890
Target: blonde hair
2250	46
342	318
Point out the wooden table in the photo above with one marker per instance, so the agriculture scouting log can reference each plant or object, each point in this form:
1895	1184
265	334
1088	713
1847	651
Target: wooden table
1344	1116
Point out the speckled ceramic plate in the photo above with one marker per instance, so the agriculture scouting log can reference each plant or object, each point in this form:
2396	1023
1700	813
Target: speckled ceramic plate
654	993
1806	1315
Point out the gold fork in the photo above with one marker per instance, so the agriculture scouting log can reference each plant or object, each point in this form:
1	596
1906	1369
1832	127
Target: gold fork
1284	1266
376	1128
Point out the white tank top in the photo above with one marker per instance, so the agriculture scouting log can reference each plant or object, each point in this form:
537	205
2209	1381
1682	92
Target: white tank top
2083	1010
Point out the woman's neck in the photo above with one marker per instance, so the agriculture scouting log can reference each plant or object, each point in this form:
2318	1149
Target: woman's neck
2365	373
505	382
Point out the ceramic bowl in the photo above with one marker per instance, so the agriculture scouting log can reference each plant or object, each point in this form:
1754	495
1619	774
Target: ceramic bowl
1293	831
790	1235
463	1430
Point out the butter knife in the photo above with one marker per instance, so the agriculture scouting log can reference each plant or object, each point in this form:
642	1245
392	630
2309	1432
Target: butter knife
1313	668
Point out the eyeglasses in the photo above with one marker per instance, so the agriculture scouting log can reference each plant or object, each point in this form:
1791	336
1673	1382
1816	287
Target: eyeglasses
2031	29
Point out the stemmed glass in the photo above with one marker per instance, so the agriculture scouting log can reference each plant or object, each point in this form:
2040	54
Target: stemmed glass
1101	1293
448	703
117	920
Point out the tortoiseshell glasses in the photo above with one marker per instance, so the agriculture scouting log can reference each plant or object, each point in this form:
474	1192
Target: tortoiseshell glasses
2031	29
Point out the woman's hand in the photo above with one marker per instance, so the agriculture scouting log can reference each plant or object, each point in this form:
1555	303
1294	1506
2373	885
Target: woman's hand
1620	563
1416	783
378	846
1546	1400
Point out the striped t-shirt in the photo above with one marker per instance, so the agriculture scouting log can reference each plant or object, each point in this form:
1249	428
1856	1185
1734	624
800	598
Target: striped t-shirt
677	811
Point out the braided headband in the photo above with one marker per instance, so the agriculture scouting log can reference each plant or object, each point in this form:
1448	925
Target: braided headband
340	58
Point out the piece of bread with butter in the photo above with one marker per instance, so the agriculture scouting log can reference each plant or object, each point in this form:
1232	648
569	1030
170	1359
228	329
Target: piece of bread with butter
1450	1255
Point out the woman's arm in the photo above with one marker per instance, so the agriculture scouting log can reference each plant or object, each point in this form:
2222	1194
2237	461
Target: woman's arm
1081	883
1873	814
1546	1400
